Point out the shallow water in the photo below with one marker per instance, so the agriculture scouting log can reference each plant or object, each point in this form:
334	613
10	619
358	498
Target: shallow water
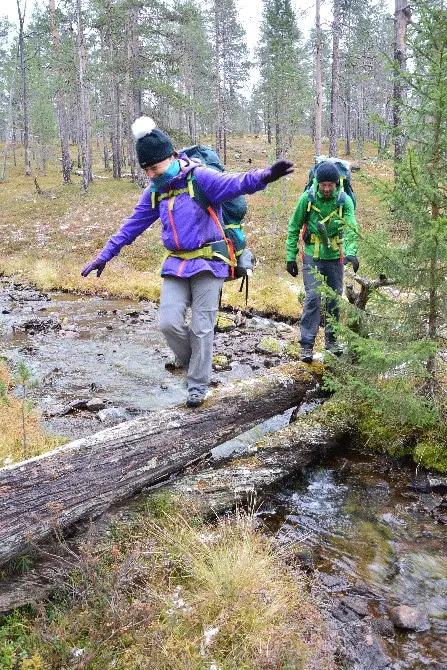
90	347
358	520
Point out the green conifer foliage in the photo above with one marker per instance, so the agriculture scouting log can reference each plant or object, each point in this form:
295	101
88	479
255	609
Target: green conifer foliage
398	365
284	75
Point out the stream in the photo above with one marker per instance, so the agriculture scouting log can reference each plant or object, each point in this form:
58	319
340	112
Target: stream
366	533
358	522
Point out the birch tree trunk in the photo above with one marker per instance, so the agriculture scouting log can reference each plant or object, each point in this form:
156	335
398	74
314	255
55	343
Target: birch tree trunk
335	86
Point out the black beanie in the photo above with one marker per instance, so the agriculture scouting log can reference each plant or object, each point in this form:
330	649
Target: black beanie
328	172
152	145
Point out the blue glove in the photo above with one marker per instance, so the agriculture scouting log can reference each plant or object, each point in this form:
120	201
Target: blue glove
97	264
279	169
354	260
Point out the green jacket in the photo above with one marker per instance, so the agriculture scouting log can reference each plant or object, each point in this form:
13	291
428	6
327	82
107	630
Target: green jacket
339	231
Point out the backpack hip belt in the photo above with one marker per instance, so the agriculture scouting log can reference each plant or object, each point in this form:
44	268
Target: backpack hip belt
213	251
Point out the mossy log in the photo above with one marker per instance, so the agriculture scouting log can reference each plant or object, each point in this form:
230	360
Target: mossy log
82	479
307	440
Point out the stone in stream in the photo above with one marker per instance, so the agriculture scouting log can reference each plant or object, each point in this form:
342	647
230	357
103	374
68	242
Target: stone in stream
95	405
409	618
112	415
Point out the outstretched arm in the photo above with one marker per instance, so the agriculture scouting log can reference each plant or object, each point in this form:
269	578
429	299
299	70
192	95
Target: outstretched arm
141	218
218	186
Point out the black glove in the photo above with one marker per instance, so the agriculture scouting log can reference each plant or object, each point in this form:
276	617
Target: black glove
354	260
292	268
94	265
279	169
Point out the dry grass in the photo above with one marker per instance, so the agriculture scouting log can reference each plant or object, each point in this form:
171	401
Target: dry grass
175	593
12	431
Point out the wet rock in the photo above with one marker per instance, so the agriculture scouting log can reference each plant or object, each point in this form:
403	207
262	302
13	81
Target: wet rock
438	484
392	520
33	326
224	324
333	583
420	482
240	320
95	405
356	604
409	618
112	416
361	587
344	614
75	405
221	362
384	627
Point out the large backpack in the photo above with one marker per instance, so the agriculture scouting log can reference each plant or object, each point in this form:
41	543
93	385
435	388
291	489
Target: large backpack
344	170
233	211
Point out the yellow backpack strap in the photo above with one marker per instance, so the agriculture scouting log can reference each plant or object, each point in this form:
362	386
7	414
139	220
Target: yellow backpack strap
317	248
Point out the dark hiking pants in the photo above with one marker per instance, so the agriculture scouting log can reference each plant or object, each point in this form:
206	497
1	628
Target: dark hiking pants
332	272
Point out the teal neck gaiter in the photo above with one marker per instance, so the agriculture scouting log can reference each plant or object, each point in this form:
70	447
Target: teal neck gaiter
170	173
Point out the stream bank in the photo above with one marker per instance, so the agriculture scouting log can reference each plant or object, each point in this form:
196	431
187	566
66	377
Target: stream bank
363	530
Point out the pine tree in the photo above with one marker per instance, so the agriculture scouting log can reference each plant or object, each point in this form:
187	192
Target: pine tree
230	65
284	83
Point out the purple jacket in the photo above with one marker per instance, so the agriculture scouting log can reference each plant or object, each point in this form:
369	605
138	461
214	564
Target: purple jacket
186	226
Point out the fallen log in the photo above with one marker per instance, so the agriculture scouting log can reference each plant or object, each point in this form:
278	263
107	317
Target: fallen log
207	492
82	479
309	439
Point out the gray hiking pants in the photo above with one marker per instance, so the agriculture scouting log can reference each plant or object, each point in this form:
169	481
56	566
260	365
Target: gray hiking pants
193	344
332	271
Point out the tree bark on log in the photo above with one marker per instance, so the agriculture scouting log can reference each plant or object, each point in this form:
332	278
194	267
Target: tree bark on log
82	479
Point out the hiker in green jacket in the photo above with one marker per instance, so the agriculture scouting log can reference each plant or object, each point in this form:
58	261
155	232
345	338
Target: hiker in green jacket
325	216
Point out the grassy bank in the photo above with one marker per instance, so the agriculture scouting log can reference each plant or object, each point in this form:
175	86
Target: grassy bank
21	435
168	592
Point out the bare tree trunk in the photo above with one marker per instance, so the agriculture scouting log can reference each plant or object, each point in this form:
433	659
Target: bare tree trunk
133	89
401	20
9	120
60	99
85	123
361	121
318	84
335	86
24	89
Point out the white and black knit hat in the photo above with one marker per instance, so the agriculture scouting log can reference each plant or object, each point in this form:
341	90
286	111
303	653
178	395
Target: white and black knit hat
152	145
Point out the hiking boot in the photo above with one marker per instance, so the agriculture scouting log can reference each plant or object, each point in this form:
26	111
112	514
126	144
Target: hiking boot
195	398
307	353
334	348
174	365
